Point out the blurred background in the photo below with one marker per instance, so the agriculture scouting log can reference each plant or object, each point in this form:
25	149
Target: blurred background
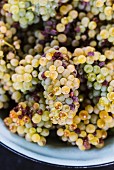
11	161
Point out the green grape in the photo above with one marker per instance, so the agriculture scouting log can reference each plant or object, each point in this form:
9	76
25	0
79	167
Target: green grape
89	84
100	78
91	77
22	5
14	9
103	88
23	21
96	93
96	69
30	16
15	17
97	86
22	12
88	68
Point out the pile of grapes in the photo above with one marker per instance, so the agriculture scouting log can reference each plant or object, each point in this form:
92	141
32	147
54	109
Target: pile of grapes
57	69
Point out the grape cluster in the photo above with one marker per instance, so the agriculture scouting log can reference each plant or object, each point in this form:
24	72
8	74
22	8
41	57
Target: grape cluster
6	51
106	33
85	134
91	123
72	29
30	119
60	82
104	9
57	69
28	12
26	73
7	33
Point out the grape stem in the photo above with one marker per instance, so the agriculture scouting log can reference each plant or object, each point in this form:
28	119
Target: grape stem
32	8
6	43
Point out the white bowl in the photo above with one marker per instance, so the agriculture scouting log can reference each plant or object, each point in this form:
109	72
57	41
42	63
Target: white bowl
56	152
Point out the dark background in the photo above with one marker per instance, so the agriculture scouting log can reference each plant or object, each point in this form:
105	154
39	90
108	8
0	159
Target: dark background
11	161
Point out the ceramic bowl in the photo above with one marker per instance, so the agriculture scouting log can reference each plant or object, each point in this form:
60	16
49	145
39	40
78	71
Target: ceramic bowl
56	152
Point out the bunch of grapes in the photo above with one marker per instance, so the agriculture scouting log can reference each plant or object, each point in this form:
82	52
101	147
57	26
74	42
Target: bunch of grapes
28	12
57	69
60	82
30	119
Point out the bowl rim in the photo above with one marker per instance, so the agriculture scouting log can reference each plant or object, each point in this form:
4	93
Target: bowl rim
52	164
13	143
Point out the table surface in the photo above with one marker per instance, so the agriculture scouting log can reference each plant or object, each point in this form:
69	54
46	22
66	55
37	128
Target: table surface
11	161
